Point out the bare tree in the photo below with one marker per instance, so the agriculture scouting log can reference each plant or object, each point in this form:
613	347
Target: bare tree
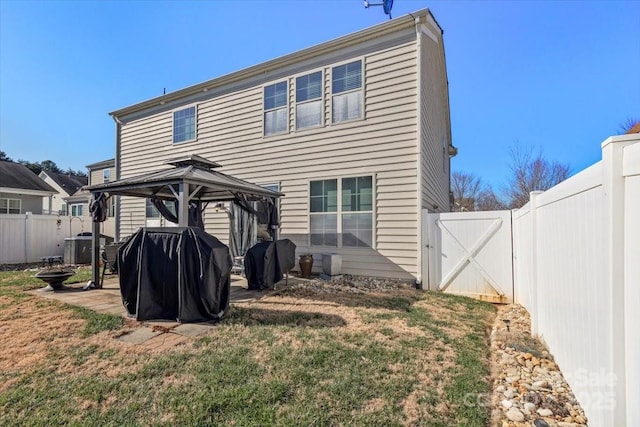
465	188
531	172
630	125
489	201
471	194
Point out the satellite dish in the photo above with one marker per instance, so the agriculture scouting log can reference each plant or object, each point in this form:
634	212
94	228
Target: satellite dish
386	6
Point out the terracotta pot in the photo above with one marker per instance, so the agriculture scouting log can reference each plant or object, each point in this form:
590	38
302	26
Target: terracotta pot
306	263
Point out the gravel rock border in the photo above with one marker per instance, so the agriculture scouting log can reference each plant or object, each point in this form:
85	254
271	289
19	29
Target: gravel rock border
349	284
528	389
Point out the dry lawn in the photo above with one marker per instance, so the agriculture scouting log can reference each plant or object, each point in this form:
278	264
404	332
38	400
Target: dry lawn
399	358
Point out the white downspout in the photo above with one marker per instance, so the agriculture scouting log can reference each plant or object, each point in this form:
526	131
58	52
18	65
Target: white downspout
117	168
420	244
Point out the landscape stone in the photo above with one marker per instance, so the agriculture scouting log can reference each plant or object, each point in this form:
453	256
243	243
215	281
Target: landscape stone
544	412
515	415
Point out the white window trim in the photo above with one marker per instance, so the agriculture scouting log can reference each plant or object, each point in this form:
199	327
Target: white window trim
184	107
361	89
322	99
8	207
104	171
339	212
286	106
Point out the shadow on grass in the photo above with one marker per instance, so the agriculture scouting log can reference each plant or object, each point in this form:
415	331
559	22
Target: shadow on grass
260	316
400	300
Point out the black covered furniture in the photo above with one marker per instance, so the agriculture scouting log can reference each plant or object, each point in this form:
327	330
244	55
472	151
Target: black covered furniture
179	273
266	262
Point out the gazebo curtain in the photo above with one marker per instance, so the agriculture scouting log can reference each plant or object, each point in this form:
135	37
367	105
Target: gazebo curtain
98	207
243	228
194	217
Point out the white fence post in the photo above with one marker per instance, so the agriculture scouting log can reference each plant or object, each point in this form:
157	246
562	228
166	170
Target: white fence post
613	191
533	262
27	236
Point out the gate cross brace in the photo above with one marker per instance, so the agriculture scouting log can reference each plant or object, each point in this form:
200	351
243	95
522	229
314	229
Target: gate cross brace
469	256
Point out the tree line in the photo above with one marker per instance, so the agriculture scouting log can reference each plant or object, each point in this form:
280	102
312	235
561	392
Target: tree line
45	165
528	171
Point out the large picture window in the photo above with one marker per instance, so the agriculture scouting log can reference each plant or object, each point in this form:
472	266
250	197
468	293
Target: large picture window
275	108
309	100
346	89
184	125
10	206
341	212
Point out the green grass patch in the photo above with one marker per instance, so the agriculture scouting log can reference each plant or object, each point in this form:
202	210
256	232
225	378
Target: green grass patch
97	322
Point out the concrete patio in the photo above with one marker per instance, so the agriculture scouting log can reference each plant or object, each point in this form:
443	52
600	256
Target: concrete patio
154	335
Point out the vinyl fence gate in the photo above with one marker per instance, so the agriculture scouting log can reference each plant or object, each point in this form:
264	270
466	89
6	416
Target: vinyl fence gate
469	253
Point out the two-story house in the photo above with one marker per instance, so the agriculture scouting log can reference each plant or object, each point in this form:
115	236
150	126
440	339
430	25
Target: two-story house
354	131
66	185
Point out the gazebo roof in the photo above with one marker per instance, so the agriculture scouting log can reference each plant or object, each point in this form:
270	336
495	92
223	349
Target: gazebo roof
205	184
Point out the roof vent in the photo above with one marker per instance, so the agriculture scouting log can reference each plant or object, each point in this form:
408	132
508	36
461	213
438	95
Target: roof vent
193	160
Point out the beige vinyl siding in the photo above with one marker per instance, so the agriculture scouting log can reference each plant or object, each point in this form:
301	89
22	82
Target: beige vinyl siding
435	125
383	144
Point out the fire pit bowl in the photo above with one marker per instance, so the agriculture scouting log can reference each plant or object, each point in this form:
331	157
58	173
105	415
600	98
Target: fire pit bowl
54	278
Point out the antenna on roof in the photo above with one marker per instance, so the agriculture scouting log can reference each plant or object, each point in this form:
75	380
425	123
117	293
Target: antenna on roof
386	6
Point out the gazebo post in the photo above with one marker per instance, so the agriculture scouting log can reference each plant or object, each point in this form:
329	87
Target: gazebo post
183	205
95	256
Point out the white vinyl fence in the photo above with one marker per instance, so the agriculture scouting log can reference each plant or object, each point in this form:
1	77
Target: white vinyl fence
27	237
577	271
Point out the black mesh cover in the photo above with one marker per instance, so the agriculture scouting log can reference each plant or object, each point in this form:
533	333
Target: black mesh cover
179	273
266	262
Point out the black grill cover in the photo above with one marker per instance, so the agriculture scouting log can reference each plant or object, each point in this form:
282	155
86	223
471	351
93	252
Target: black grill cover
266	262
179	273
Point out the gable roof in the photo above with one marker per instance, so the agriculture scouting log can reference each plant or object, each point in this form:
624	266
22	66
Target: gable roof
69	183
15	176
386	27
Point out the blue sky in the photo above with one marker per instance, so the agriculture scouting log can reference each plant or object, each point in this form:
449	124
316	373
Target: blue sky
560	75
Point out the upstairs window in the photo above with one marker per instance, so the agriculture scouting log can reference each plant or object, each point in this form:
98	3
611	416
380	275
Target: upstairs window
184	125
106	175
346	89
63	210
309	100
275	108
10	206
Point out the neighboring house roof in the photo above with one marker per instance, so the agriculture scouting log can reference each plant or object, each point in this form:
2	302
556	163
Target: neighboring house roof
18	179
80	196
69	183
102	164
308	54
